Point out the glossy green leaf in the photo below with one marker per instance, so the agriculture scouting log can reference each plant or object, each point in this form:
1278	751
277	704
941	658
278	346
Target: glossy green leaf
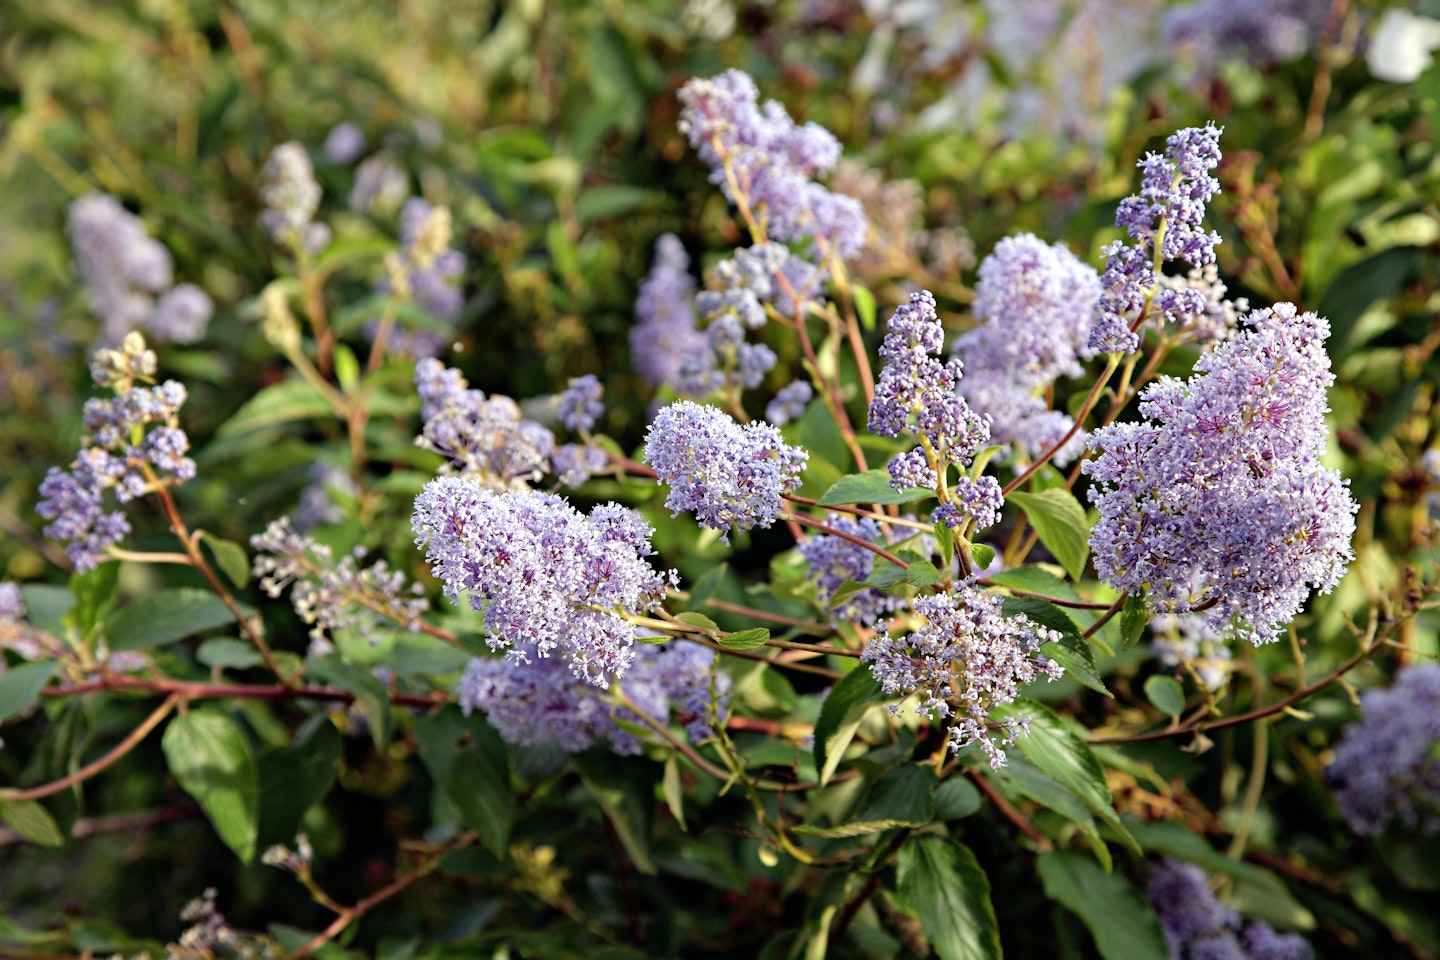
704	589
227	654
372	700
624	788
901	797
1133	617
745	639
693	619
872	486
864	306
32	821
210	757
470	764
229	556
957	797
1021	778
295	777
981	556
840	715
1060	523
20	687
1071	651
277	404
164	617
885	574
942	883
1166	693
1121	921
1034	579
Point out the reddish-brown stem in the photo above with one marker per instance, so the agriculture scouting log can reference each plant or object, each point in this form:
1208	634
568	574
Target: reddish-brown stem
874	548
1080	416
1110	611
1010	813
819	629
135	821
191	690
131	741
1058	601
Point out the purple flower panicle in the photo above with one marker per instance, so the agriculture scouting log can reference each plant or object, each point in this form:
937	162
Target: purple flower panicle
732	477
291	197
579	406
1197	925
831	560
666	333
427	272
789	403
484	438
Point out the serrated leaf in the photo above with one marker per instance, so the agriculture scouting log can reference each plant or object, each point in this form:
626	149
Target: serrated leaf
165	617
872	486
623	786
227	654
945	544
94	592
844	592
885	574
745	639
1121	921
692	619
1071	651
277	404
32	821
840	715
293	778
1033	579
981	556
903	795
1132	621
921	573
1060	523
372	700
211	759
1063	756
1020	777
20	687
229	556
957	797
943	884
1166	693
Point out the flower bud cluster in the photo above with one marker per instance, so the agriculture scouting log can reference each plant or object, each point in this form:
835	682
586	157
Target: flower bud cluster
1164	222
484	438
789	403
133	445
831	560
1197	925
1218	498
1386	768
550	580
1035	303
666	334
580	405
759	157
427	272
332	596
542	702
968	659
130	276
732	477
291	197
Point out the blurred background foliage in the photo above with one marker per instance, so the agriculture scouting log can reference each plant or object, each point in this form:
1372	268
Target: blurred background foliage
549	129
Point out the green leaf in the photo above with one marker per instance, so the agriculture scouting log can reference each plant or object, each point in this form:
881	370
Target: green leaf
1060	523
1071	651
1122	923
227	654
210	757
957	797
624	788
610	200
95	592
905	795
1021	777
941	881
277	404
21	686
674	789
1060	754
864	306
47	606
230	557
981	556
470	764
1132	621
32	821
840	717
693	619
1033	579
844	592
1166	693
1358	286
704	588
165	617
372	700
293	778
885	574
872	486
921	573
745	639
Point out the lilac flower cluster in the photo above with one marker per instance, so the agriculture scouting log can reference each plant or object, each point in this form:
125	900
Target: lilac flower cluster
580	406
542	702
549	579
732	477
913	382
129	275
427	272
1218	319
133	445
1386	768
1036	303
333	596
1218	497
789	403
666	333
831	560
1187	638
344	144
1270	31
1197	926
291	197
967	660
574	463
759	157
484	438
1164	221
